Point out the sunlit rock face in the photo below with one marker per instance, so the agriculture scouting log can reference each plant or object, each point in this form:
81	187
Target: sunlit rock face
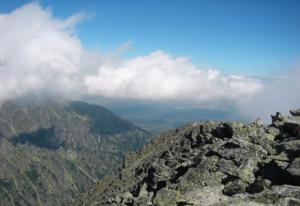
210	163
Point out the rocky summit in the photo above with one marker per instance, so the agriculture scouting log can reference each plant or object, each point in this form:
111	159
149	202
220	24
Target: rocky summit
51	151
210	163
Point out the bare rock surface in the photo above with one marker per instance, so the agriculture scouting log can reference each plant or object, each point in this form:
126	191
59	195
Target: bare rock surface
210	163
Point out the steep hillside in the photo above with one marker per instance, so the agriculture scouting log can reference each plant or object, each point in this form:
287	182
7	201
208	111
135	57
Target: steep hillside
210	163
50	151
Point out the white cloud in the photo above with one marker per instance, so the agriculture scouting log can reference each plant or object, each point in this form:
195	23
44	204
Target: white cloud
40	53
160	76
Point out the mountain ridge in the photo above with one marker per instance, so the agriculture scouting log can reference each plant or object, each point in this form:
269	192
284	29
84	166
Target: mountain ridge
52	150
210	163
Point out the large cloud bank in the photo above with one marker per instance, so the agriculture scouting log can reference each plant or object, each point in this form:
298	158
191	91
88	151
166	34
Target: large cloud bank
42	54
38	53
160	76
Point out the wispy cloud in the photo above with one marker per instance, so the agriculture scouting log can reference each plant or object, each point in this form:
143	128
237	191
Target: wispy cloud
279	94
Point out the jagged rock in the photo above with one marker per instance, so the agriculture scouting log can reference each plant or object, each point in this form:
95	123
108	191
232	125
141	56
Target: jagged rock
235	187
273	131
167	197
207	195
285	192
295	112
292	146
288	202
277	119
258	186
246	172
292	127
213	163
294	169
227	167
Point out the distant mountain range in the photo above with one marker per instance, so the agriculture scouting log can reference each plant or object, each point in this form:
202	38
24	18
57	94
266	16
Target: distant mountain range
50	151
161	116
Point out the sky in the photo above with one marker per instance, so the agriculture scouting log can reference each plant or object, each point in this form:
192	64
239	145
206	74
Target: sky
252	37
205	53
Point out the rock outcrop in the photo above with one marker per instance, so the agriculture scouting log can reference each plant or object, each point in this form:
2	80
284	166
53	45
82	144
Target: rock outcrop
210	163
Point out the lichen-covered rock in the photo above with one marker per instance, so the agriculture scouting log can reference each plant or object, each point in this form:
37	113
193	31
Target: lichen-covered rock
212	163
294	170
295	112
234	187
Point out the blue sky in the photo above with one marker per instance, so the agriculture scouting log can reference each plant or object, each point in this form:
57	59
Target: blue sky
237	37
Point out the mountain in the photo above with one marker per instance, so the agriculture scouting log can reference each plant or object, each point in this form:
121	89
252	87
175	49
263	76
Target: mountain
210	163
51	151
